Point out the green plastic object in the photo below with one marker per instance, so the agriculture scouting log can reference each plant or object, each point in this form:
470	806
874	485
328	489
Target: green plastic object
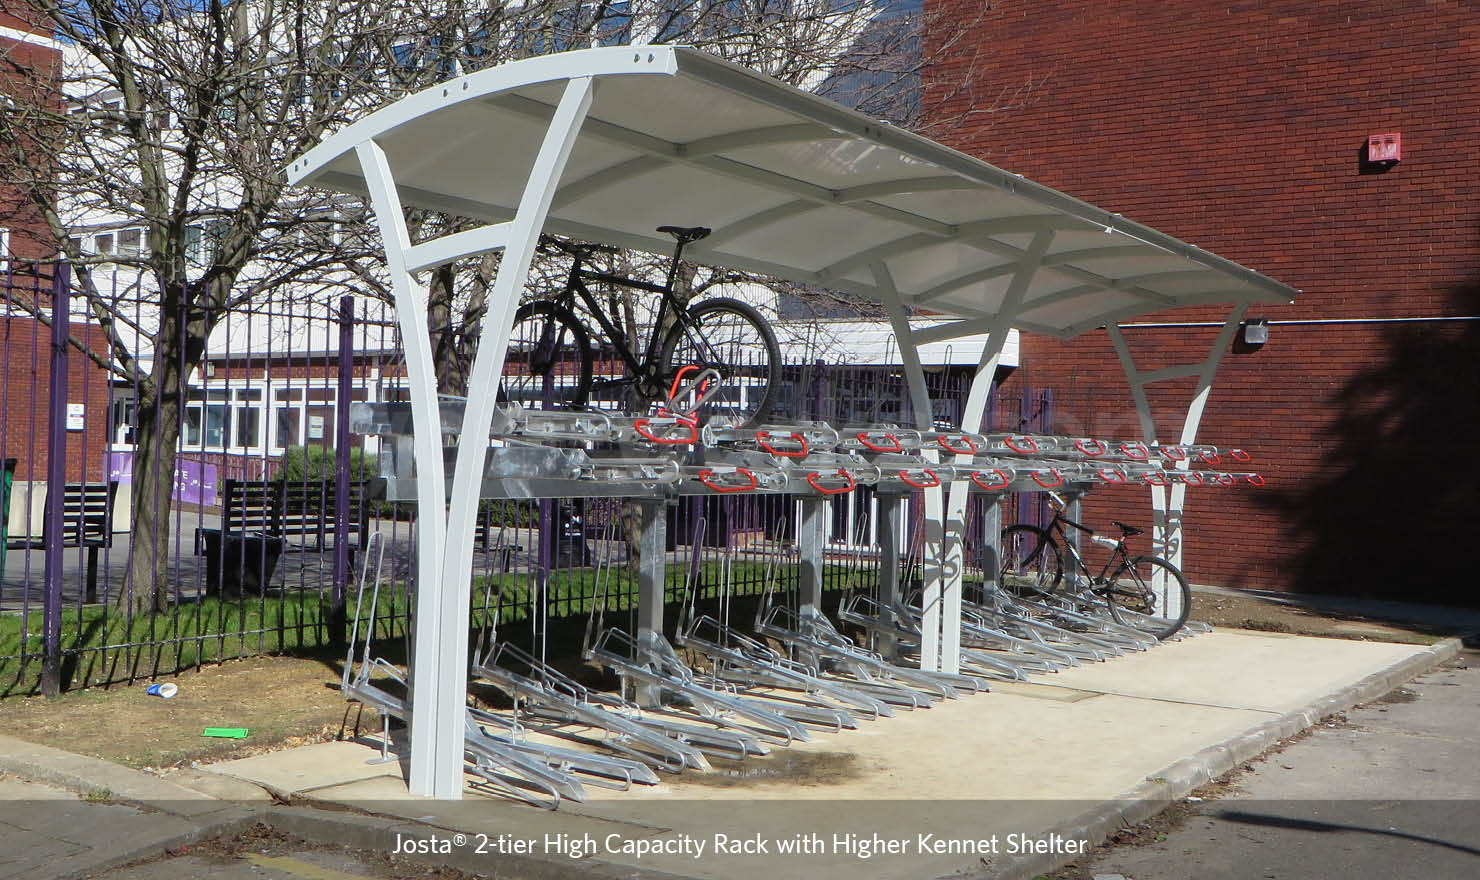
226	732
7	478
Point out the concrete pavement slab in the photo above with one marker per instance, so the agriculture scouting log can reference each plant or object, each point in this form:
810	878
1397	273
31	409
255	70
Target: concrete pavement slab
85	774
308	768
1270	672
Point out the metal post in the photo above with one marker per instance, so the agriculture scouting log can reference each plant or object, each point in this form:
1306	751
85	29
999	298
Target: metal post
56	482
811	539
991	542
1073	510
891	510
342	473
651	550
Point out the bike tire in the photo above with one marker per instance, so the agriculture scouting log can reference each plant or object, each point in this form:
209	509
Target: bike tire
1032	563
734	340
548	359
1167	604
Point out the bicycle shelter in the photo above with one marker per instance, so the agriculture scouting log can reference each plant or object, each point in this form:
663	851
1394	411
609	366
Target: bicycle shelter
607	144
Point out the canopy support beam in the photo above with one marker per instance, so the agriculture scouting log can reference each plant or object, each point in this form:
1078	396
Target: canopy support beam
1168	502
439	661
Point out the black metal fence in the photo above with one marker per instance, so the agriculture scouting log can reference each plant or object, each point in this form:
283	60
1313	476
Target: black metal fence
268	520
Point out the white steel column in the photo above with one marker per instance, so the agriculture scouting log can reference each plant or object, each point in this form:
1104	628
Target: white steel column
931	558
445	541
1167	502
944	552
431	489
971	419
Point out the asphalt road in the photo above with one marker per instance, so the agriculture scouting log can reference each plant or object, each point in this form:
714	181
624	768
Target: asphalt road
1392	791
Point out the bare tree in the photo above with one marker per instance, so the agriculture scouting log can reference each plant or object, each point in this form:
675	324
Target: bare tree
176	116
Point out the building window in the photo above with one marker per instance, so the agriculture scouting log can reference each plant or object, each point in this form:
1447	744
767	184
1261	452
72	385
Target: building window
131	243
222	418
4	247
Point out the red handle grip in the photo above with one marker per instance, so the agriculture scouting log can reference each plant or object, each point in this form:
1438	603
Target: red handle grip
678	379
976	478
1029	444
813	477
1136	451
1194	479
1094	448
641	426
894	444
931	479
1155	478
1209	457
968	447
763	438
1058	479
1174	453
1114	476
707	476
1240	456
1254	479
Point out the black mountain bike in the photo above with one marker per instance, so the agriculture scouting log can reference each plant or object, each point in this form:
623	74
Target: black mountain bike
717	356
1145	592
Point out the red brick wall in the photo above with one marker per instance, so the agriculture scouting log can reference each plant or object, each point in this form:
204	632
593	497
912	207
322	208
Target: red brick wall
25	367
28	236
1238	127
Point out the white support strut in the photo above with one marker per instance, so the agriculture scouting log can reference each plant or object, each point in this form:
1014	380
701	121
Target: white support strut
1168	502
445	563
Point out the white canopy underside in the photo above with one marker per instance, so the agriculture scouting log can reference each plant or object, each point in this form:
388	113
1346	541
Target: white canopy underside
794	187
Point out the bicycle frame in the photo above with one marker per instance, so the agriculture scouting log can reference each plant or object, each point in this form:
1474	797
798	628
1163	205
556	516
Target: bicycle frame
1119	557
640	369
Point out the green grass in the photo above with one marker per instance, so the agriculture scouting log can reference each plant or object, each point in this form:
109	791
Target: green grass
101	646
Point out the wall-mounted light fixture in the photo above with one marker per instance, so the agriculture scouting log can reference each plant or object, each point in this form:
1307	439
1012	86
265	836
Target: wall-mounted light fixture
1252	334
1381	152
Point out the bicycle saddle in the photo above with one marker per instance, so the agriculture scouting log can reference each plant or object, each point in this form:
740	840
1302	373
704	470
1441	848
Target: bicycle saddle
686	234
1128	530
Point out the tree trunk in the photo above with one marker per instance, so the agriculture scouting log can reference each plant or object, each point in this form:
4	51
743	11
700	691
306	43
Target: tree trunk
146	585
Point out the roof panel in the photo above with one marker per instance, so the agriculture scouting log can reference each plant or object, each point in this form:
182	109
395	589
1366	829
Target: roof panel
794	186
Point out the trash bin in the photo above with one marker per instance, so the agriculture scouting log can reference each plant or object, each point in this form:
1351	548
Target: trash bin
7	478
239	564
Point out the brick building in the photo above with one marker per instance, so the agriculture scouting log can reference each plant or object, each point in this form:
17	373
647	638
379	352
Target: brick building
24	46
26	49
1242	128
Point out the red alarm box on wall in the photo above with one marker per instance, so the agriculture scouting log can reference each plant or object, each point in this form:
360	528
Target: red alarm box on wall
1385	148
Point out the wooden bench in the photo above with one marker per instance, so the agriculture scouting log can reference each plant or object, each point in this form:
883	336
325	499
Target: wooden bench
259	517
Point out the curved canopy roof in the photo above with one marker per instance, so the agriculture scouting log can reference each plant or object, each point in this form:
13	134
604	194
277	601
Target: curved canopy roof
794	186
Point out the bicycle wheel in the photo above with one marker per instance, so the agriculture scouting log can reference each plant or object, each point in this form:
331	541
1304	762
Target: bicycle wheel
1032	564
732	339
1150	594
549	358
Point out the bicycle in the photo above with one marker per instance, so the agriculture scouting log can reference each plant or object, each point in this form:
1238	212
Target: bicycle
1145	592
718	355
